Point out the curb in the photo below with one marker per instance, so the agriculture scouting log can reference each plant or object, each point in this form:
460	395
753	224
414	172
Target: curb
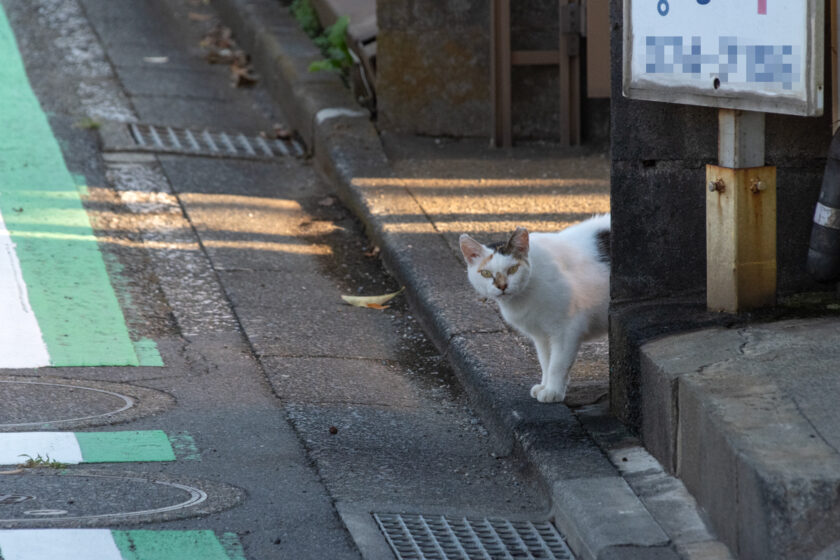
760	456
592	504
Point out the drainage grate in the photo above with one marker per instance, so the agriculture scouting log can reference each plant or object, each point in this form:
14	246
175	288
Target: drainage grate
438	537
184	140
120	137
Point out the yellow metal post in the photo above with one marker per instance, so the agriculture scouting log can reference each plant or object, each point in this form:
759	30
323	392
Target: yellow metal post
740	238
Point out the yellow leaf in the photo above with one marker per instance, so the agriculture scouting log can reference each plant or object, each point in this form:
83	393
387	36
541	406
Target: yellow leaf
366	301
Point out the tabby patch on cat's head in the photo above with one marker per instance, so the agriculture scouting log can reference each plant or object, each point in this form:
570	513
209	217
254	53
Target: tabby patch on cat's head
500	269
516	246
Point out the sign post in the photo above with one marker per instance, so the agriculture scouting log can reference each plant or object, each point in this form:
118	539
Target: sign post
747	58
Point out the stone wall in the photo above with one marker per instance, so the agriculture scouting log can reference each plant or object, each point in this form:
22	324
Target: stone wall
433	69
659	151
433	62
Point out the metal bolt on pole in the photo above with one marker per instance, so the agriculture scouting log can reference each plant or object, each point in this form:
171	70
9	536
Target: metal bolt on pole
740	217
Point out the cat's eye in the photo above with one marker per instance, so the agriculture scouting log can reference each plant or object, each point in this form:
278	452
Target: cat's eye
513	269
487	274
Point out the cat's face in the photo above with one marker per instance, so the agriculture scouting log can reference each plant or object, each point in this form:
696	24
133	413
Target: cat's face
500	270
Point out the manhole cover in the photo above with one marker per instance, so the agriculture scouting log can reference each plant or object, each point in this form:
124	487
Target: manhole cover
42	403
6	499
136	137
82	497
442	537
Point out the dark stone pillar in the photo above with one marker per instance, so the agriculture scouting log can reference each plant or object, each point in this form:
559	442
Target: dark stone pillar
659	151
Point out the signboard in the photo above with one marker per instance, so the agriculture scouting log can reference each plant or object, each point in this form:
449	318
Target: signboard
757	55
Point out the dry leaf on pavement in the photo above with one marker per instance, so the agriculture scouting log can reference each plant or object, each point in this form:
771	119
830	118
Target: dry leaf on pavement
282	132
243	75
372	302
222	49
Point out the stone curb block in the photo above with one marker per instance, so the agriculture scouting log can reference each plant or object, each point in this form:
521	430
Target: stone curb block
744	446
590	506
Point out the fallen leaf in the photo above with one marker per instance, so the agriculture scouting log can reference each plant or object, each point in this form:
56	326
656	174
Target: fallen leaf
243	75
241	58
282	132
366	301
377	306
373	252
220	37
16	471
220	56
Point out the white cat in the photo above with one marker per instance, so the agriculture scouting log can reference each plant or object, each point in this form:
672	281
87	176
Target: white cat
552	287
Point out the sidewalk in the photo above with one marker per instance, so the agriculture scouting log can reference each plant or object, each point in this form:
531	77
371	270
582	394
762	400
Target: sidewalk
415	196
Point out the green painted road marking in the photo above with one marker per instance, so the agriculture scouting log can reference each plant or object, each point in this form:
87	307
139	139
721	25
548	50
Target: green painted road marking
96	447
121	447
106	544
68	285
185	446
233	546
147	353
169	545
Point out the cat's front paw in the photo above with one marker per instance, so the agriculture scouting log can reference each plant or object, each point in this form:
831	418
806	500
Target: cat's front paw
535	390
548	395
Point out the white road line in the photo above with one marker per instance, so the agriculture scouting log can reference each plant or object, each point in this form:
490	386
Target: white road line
56	446
58	544
21	341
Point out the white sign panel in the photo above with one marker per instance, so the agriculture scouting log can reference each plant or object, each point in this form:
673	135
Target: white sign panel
758	55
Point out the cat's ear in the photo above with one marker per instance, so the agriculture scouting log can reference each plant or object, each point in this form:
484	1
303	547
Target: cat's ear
519	242
470	248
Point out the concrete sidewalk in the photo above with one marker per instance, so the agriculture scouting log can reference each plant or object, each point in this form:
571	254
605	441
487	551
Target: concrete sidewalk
415	196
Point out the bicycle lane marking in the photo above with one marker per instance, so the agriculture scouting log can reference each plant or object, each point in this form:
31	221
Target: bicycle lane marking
107	544
86	447
65	281
21	342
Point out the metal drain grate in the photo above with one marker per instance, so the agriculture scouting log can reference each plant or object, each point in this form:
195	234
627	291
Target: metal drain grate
438	537
203	142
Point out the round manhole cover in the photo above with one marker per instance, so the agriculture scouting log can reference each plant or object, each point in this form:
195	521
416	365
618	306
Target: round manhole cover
39	403
87	497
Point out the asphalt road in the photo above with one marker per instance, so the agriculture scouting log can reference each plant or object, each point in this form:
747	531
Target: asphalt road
295	415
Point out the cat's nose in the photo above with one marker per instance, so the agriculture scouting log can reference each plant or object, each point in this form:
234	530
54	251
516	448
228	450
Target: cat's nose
501	284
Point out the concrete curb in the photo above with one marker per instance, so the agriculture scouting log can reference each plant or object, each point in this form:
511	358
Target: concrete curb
592	504
751	429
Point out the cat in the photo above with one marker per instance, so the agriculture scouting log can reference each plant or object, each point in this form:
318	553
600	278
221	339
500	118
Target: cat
552	287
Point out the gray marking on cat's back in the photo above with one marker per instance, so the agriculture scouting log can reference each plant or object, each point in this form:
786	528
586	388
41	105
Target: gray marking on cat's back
602	239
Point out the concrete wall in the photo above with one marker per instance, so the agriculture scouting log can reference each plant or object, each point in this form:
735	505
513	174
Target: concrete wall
433	64
433	69
658	214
